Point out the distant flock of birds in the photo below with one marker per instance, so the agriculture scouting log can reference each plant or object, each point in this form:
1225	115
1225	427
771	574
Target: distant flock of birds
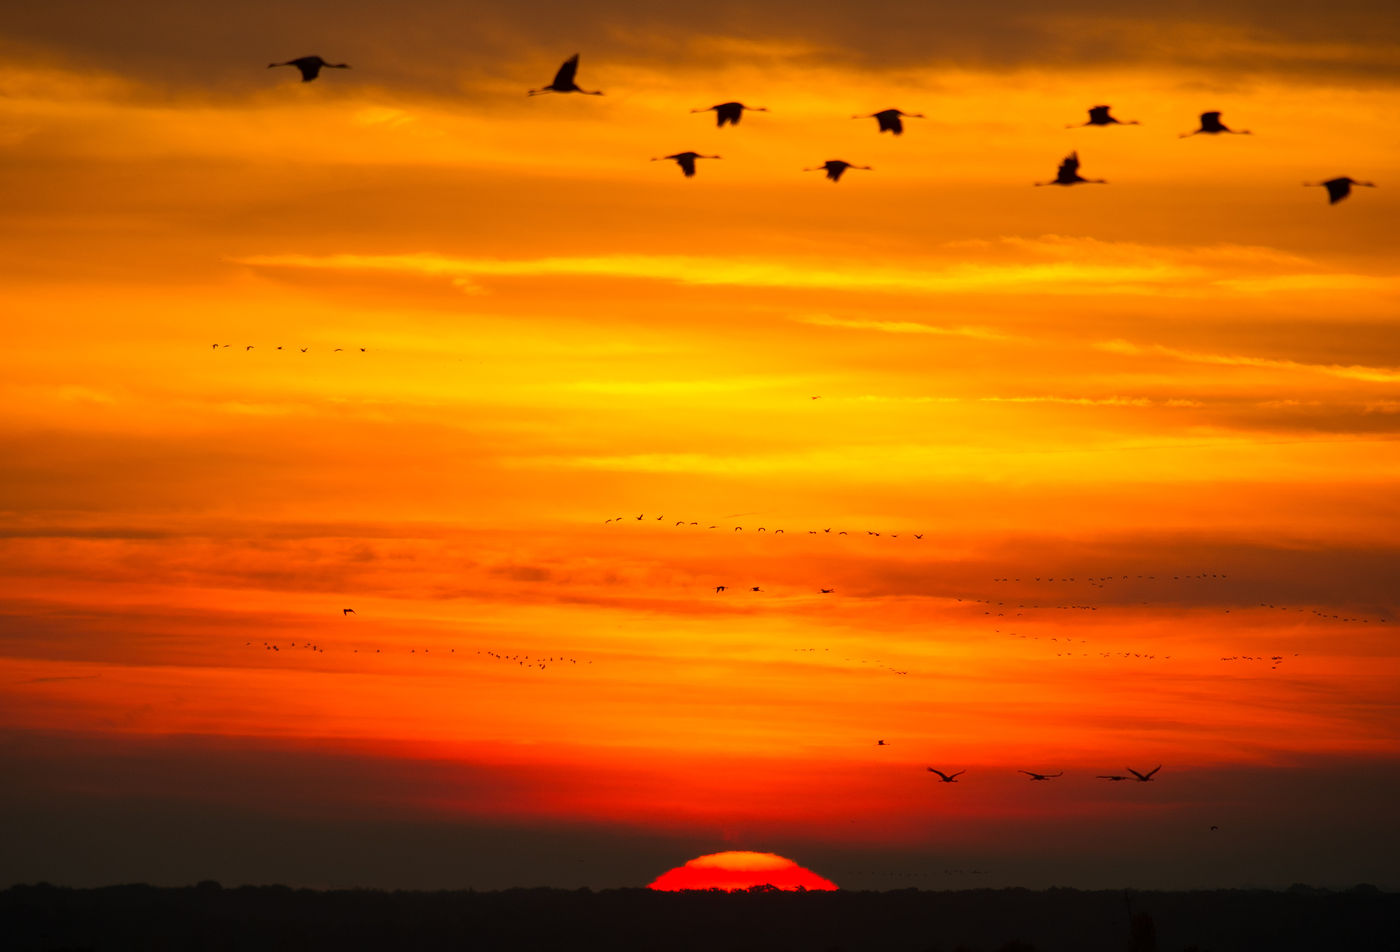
888	120
776	531
522	660
1139	776
303	350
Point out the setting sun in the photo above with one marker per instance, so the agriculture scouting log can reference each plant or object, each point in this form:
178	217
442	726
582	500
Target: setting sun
740	870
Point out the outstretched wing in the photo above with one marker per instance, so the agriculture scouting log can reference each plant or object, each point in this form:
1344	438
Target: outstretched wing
1098	114
1070	166
565	76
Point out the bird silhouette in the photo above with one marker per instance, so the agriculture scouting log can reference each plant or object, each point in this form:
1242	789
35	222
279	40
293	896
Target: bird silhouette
302	349
1339	188
1211	125
1112	777
310	66
347	611
1098	116
1068	173
947	778
718	589
827	591
889	119
730	112
686	160
1041	776
881	743
248	348
835	168
564	81
1144	777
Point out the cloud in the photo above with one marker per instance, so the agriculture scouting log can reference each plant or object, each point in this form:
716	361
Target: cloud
905	327
1062	276
1346	372
441	47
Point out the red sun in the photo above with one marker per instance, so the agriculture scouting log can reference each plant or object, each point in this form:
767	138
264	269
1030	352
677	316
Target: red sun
740	870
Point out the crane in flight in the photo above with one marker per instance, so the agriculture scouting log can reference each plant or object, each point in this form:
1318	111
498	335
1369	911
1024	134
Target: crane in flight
1211	125
947	778
1068	173
730	112
686	161
835	168
1041	776
1098	116
1144	777
1339	188
564	81
889	119
310	66
1114	777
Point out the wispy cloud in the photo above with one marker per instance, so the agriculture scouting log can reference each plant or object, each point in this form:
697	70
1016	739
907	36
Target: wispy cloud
1346	372
1012	278
906	327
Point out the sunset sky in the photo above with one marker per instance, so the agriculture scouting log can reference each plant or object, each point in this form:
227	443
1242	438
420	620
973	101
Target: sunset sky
1140	428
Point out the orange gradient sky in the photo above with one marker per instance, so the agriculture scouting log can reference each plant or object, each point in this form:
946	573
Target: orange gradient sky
1109	436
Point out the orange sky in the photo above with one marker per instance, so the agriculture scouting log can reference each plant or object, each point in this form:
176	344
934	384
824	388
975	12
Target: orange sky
1140	428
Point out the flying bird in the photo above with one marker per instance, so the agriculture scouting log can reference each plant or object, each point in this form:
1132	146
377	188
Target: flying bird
347	611
827	591
302	349
718	589
947	778
564	81
1144	777
1068	173
881	743
1112	777
1041	776
730	112
835	168
1098	116
1339	188
310	66
686	160
889	119
1211	125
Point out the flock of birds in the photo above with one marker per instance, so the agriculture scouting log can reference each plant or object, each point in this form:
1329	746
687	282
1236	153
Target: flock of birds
248	347
776	531
891	120
522	660
1131	774
888	120
1137	775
